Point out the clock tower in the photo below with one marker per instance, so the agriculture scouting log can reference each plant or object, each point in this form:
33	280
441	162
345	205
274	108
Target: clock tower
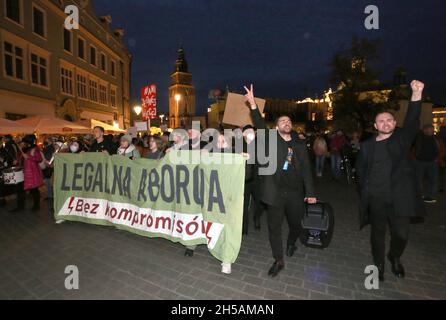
181	93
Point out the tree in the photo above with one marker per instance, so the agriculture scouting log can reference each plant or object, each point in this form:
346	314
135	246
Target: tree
360	95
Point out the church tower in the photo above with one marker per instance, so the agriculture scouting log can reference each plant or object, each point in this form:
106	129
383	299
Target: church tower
181	93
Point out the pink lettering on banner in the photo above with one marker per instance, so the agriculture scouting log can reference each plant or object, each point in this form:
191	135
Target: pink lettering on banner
184	227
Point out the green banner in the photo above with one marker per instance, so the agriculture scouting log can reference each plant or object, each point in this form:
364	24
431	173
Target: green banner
187	197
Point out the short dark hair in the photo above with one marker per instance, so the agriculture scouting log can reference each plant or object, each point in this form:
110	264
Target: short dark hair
100	128
29	139
385	111
282	116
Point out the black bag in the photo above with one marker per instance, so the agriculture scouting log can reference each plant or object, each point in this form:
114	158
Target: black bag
317	225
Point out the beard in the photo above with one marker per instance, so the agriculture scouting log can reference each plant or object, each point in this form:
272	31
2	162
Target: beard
386	131
285	130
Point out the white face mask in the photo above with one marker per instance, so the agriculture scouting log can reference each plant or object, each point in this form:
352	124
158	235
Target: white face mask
250	137
74	148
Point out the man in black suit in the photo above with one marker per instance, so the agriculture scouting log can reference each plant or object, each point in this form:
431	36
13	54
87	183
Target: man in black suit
285	190
388	183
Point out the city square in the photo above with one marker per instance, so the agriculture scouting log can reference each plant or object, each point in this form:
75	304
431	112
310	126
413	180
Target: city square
244	151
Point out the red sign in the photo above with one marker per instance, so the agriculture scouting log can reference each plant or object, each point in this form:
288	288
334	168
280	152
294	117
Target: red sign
148	101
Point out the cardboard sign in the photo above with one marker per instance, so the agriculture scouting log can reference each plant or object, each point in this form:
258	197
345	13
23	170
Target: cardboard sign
238	111
141	126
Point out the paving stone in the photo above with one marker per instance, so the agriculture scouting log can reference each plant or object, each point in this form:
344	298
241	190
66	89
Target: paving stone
118	265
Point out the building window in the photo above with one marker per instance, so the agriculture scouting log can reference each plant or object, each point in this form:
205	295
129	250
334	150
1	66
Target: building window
66	81
103	94
13	61
67	40
93	90
39	69
82	86
81	48
103	62
39	22
93	56
113	97
13	10
113	68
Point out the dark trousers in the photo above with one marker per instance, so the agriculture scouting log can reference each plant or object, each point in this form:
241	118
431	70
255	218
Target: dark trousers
252	200
382	214
35	193
291	205
442	178
21	196
428	170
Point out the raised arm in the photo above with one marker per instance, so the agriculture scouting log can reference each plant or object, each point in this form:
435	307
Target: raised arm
412	121
259	122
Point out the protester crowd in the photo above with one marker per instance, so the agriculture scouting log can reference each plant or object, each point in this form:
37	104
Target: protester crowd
36	159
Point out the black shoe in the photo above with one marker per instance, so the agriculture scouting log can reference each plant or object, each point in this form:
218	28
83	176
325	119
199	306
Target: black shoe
290	250
397	267
35	209
2	203
16	210
380	267
189	253
276	268
429	200
257	223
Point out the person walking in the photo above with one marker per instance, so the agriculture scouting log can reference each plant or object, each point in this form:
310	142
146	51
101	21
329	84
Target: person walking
389	192
31	170
127	149
320	151
101	143
285	190
337	143
427	150
155	148
442	159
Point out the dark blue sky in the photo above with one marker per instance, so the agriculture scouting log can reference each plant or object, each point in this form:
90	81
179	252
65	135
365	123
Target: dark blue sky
282	46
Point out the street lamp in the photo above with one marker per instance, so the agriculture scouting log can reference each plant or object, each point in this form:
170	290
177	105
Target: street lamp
137	109
177	116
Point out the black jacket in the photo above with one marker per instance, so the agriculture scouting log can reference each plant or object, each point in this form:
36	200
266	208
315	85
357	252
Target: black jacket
270	188
406	196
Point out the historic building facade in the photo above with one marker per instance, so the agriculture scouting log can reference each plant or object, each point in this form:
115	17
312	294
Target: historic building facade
75	74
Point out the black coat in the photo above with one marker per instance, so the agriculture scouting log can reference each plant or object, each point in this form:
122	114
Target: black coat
270	183
406	196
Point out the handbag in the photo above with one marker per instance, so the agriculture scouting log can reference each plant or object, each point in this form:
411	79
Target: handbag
317	225
42	164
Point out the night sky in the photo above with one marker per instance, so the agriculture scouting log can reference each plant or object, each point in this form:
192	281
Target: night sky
282	46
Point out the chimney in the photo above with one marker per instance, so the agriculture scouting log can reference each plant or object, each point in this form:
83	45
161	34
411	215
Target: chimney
106	20
119	33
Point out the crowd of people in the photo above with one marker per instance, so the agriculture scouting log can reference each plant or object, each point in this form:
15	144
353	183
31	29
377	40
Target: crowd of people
277	193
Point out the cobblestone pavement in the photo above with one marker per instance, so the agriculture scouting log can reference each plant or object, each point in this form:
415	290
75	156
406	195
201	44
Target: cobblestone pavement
118	265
